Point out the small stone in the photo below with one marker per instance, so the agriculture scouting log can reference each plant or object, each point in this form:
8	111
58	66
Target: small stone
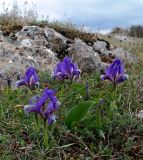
140	114
26	43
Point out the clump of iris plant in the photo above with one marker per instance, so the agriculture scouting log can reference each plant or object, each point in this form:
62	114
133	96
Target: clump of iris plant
115	73
44	107
66	69
30	78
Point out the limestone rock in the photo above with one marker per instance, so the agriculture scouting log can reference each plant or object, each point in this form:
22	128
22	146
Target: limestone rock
41	48
56	42
100	45
29	31
124	55
84	55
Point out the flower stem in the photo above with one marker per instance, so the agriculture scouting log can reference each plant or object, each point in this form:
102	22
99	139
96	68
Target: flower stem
45	134
37	124
86	91
114	91
113	105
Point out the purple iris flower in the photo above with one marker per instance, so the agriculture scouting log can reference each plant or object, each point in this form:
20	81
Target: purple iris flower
66	70
115	72
38	105
30	78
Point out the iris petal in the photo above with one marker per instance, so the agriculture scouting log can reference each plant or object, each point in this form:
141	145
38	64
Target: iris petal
49	110
33	100
51	119
122	78
27	109
106	77
20	83
36	109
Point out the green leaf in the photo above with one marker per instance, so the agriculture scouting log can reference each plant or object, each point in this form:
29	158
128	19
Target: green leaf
3	138
78	113
79	88
113	106
101	133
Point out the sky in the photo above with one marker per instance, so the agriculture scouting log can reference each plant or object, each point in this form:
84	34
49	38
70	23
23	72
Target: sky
93	14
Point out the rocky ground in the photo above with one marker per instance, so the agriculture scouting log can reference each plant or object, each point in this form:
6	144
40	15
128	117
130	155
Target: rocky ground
44	47
113	127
